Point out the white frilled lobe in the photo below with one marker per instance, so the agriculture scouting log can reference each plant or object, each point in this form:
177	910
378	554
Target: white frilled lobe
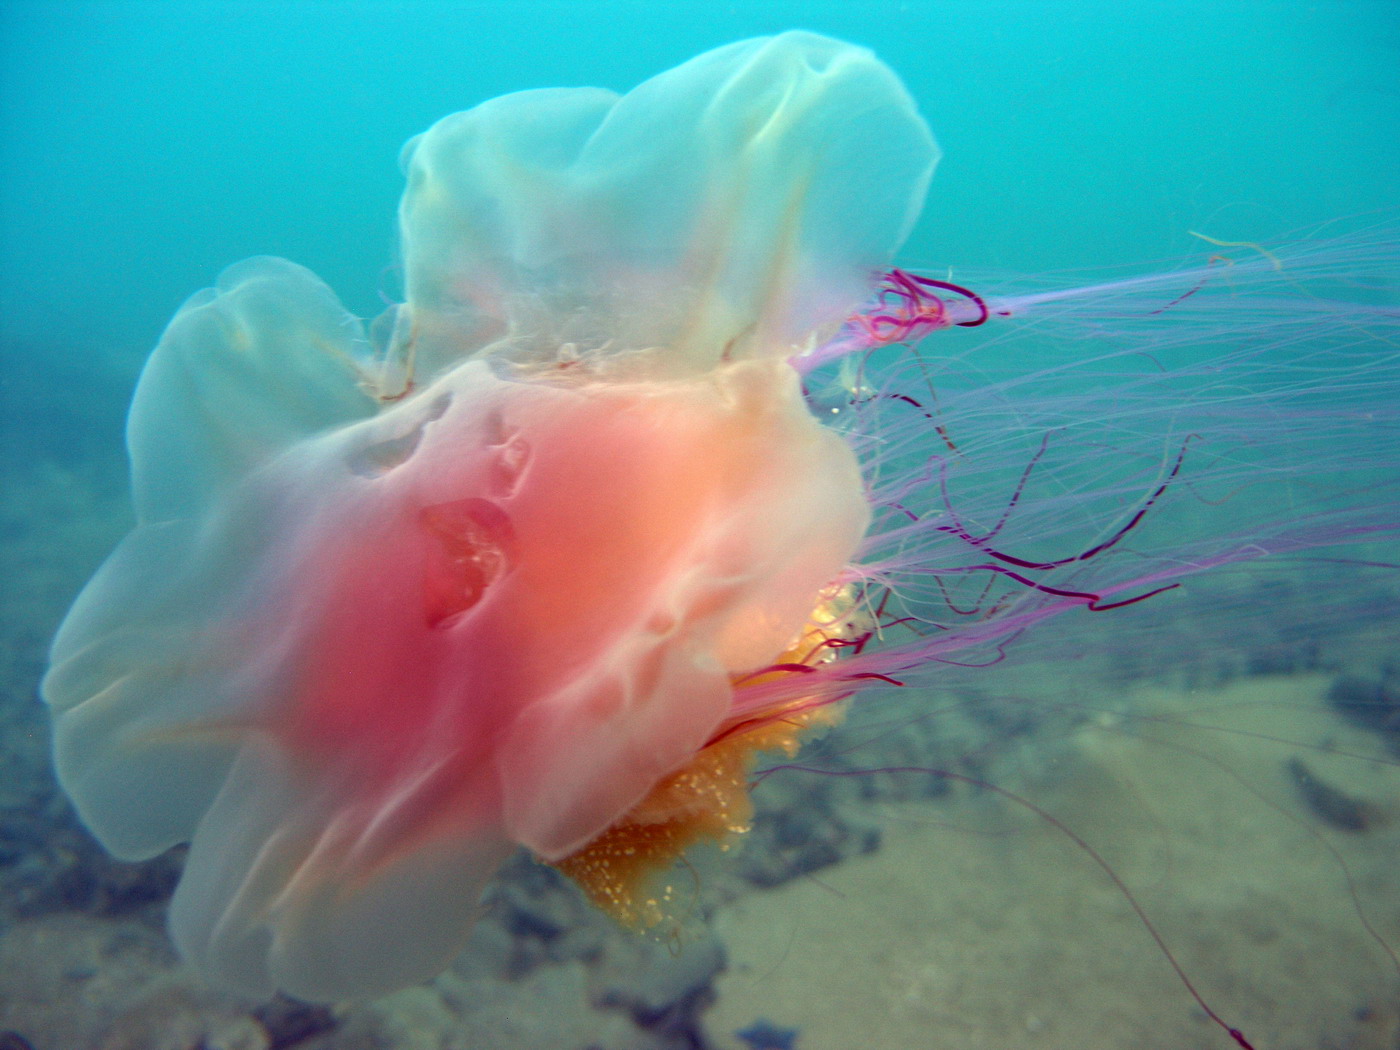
729	208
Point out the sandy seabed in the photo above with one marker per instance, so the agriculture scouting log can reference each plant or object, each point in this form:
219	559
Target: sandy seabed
963	934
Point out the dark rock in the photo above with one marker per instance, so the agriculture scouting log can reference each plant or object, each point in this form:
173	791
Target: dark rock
1373	704
1328	802
21	832
665	997
765	1035
542	916
98	885
289	1022
1284	658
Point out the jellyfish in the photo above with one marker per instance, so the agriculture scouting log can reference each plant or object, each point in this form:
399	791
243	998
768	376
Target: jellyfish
650	473
397	603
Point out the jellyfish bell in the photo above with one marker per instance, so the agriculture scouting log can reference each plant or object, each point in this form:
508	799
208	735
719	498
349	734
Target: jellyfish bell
391	609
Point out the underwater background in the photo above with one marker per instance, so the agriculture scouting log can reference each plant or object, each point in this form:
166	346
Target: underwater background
146	145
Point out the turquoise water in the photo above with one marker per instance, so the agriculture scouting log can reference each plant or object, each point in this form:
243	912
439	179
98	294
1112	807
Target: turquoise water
148	145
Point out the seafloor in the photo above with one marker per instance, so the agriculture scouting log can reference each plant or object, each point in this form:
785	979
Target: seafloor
1252	811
